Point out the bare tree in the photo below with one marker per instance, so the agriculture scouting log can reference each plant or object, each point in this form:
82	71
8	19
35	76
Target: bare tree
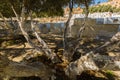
89	61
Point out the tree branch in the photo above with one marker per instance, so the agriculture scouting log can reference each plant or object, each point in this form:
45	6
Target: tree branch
67	31
44	46
93	61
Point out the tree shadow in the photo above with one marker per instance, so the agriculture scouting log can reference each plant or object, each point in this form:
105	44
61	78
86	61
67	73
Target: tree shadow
87	76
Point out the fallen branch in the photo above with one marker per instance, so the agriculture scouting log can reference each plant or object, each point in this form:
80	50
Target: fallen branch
90	61
10	69
93	61
114	41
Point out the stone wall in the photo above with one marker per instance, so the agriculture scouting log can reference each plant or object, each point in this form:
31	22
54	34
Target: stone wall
54	28
93	29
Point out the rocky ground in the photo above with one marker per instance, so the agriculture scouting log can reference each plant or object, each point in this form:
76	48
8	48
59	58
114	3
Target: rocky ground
18	50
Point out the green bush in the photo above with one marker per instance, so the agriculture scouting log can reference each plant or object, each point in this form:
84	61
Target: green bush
103	8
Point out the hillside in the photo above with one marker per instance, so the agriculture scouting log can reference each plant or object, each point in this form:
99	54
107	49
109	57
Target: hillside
113	3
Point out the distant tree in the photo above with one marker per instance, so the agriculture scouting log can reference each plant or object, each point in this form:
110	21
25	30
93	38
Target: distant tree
110	0
40	7
98	2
